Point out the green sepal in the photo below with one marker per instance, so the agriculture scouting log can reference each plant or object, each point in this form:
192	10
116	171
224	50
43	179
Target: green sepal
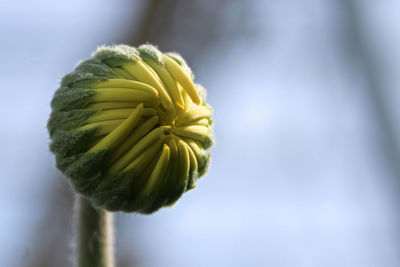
62	162
175	193
193	176
210	121
68	120
203	163
78	80
96	67
152	202
66	143
150	51
116	56
86	186
207	142
176	188
71	98
86	171
113	192
86	73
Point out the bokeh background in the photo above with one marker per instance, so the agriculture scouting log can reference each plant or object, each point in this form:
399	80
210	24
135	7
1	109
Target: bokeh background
306	168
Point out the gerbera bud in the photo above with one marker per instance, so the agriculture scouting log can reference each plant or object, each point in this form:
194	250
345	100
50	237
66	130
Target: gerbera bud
129	128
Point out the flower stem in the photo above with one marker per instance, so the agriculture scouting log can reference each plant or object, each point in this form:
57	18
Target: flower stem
95	236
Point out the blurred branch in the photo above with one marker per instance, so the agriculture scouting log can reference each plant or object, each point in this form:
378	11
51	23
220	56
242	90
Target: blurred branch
187	26
359	47
155	14
147	22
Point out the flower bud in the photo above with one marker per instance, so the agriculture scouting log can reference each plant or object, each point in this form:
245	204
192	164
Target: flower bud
130	128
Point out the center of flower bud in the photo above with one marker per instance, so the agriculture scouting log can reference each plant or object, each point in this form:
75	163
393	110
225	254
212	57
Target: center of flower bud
149	108
167	130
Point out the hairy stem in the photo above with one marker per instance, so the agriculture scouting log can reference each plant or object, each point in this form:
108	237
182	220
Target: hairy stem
94	236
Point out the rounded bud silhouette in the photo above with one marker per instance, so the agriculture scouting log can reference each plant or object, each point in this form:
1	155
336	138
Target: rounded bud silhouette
130	128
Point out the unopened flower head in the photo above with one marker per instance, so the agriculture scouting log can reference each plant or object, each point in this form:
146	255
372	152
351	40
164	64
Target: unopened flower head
130	128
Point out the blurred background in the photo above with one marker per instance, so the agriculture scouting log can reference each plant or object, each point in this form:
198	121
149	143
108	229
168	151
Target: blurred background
306	168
